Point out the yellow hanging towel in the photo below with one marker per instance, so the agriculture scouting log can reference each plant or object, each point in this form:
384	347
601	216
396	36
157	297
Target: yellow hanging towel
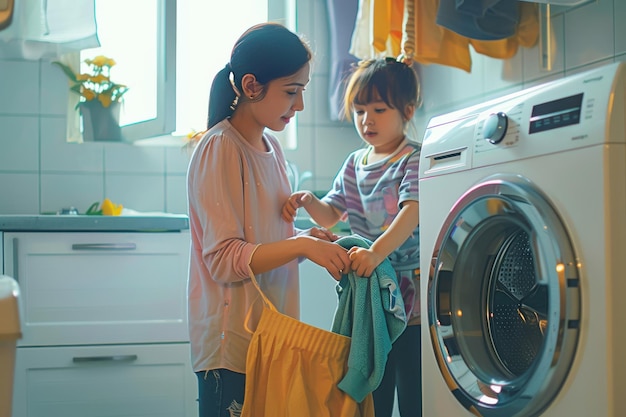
292	370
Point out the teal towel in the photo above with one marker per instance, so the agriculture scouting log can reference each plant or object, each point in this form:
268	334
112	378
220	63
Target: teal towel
371	312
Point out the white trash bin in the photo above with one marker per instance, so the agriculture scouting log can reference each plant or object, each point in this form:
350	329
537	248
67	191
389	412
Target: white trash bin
10	331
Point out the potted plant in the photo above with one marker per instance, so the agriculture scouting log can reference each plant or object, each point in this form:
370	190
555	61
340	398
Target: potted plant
100	99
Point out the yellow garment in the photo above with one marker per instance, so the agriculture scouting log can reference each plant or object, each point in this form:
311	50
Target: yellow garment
526	35
428	43
387	26
378	29
395	33
292	369
528	27
381	24
453	51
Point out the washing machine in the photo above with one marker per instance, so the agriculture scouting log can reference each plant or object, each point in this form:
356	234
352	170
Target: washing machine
523	243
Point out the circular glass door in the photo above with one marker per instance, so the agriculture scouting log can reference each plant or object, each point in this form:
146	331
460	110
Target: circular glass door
504	299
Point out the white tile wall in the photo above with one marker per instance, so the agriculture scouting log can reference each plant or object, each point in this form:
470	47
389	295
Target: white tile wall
39	171
59	156
19	143
19	87
531	57
20	193
176	160
589	33
139	192
54	90
619	15
64	190
176	194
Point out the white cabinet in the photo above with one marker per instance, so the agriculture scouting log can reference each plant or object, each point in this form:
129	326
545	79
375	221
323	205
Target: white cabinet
104	324
104	381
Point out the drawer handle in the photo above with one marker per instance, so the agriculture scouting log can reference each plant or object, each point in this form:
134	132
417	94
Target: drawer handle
115	358
16	260
104	246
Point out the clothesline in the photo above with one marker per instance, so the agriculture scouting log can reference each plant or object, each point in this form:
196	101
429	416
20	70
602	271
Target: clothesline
424	31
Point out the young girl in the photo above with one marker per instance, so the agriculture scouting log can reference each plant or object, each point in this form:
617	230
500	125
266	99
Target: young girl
237	182
377	187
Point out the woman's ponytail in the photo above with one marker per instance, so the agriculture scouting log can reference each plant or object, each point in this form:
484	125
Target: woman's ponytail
222	99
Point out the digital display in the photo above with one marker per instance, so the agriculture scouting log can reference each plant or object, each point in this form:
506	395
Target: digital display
555	114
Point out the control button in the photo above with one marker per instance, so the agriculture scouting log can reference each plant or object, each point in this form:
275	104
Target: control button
495	127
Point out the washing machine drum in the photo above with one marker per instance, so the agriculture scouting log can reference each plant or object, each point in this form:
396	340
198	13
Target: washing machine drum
503	299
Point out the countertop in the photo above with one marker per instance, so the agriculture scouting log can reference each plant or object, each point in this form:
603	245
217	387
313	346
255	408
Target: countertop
84	223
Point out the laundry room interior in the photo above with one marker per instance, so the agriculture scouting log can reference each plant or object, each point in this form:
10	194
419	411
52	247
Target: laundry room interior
482	96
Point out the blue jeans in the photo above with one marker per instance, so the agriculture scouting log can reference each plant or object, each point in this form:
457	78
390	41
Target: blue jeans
220	393
404	373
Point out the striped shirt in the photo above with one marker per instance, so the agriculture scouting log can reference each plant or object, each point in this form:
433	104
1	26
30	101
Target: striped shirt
371	196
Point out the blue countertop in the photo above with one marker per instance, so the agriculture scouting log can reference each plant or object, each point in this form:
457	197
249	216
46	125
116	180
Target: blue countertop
84	223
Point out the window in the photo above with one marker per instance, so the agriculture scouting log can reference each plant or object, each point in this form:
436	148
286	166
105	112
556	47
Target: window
141	36
175	51
206	34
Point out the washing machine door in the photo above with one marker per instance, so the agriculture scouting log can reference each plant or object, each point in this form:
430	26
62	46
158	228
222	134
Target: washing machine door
503	299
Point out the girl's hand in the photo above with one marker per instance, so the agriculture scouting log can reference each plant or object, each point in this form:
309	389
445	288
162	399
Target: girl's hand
294	202
364	261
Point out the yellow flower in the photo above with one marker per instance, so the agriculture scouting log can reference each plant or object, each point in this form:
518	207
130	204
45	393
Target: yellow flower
100	61
88	94
105	100
97	84
99	79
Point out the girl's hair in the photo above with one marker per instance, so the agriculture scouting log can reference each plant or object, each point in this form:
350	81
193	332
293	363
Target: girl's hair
386	79
268	51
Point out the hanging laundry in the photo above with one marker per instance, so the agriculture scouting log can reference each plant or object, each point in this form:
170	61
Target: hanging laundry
387	26
479	19
341	19
378	29
441	31
526	35
426	42
360	45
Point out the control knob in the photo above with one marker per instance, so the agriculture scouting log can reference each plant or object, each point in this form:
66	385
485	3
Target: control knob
495	126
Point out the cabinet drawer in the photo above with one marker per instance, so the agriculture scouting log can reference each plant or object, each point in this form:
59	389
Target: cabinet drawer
100	288
105	381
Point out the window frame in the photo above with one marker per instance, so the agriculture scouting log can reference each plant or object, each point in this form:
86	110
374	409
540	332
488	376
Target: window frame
165	121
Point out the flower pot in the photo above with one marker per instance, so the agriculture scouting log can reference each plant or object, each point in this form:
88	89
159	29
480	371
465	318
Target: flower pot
101	123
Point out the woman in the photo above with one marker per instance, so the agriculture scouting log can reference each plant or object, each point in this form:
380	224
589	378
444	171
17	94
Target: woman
237	184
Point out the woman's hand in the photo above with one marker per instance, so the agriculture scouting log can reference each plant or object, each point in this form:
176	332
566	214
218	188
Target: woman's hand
329	255
320	233
294	202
